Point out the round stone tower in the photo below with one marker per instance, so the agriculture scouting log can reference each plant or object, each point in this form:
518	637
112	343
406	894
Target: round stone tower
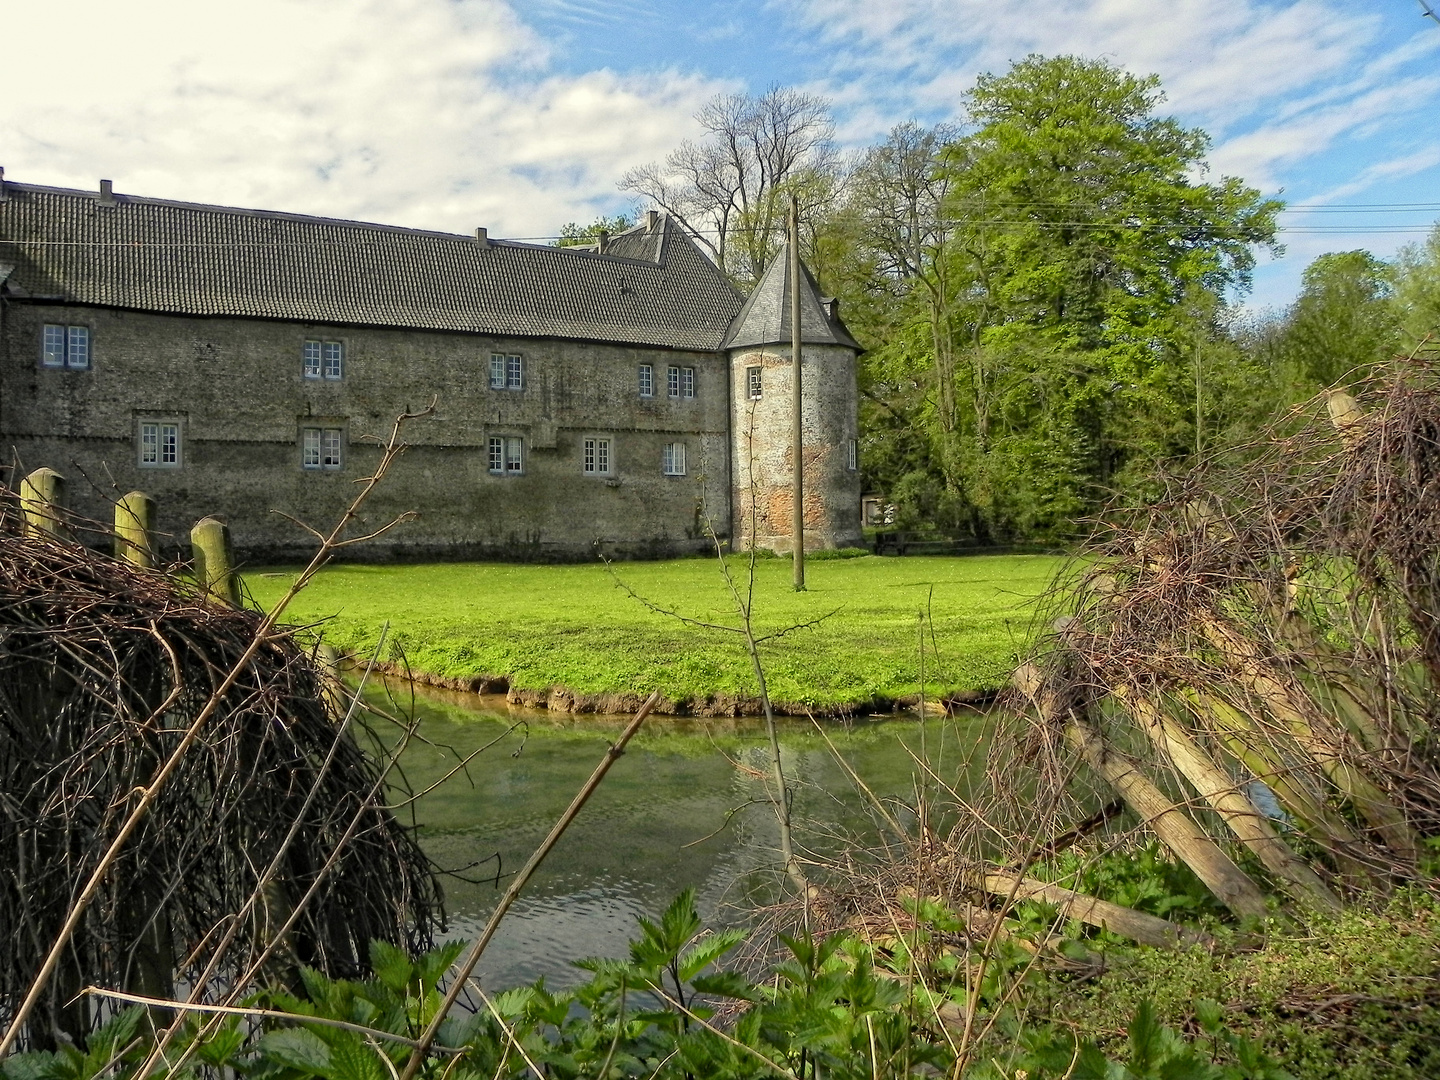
762	432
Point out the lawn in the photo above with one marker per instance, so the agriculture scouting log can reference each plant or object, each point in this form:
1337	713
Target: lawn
574	626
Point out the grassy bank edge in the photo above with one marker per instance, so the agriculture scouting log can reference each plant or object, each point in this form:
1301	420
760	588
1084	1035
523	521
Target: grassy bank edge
568	639
935	701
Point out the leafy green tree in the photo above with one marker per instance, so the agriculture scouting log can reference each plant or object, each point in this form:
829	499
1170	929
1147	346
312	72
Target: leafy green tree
574	235
1344	318
1090	262
881	253
1417	291
894	228
1067	272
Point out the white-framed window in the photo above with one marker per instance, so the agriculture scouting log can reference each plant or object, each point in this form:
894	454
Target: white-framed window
673	460
323	359
320	447
65	347
852	455
507	455
159	444
752	382
680	381
647	380
507	371
597	457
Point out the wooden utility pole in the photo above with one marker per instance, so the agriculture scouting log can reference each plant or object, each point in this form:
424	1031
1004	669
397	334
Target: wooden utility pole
797	527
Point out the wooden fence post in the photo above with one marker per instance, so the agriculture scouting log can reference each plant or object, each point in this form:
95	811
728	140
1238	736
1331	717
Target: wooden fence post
135	529
42	501
10	501
215	560
1230	885
327	658
1285	700
1295	785
1223	794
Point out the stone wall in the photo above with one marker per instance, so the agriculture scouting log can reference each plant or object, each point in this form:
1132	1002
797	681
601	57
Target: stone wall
236	388
761	446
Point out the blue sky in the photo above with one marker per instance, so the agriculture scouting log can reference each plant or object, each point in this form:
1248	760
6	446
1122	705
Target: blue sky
521	114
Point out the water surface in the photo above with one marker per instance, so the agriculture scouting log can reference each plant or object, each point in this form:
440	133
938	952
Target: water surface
685	807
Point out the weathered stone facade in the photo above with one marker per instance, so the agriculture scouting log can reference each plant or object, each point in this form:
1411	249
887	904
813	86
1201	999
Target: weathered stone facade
236	389
762	419
762	447
211	356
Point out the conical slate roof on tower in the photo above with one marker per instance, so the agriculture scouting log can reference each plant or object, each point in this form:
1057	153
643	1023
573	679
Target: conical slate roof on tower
765	318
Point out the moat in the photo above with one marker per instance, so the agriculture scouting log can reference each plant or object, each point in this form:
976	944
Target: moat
657	825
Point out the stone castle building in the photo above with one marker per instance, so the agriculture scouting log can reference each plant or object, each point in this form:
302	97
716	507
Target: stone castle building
238	362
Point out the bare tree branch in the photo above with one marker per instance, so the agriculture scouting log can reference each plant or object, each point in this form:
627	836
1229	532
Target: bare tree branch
727	191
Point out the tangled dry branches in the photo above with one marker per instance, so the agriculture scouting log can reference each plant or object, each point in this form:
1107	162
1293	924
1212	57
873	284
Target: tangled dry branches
1254	664
102	667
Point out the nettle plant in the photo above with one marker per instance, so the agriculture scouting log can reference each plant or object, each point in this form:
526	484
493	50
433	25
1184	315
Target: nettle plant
831	1007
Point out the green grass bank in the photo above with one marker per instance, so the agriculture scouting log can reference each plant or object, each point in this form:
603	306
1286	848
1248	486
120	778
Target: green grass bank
570	637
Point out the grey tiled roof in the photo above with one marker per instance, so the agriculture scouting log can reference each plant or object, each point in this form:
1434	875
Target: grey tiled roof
652	288
636	243
765	318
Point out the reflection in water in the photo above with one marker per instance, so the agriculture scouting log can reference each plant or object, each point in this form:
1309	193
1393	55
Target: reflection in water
684	808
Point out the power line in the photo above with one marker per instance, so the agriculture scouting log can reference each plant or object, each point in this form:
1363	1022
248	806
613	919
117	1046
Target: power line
1214	232
1179	225
1292	208
1377	208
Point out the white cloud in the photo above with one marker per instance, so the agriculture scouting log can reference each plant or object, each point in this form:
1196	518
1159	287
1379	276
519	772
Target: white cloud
1325	98
436	113
1222	58
1257	74
1258	155
1397	168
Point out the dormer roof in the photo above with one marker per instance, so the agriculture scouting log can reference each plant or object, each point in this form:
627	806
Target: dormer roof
765	318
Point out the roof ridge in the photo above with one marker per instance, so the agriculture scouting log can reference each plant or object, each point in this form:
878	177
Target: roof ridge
122	198
178	257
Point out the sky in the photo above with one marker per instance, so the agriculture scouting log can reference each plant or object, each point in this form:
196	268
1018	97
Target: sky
521	115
